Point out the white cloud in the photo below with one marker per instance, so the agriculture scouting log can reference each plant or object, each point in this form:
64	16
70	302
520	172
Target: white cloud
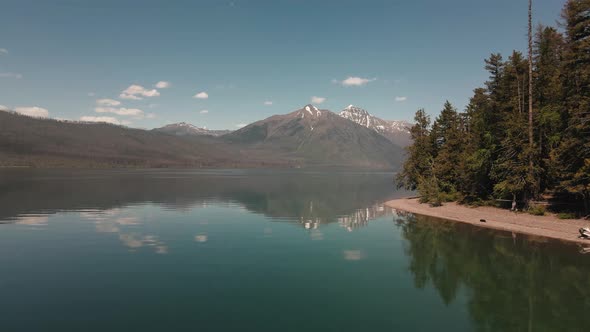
107	119
317	100
108	102
163	85
204	111
268	103
120	111
4	108
354	81
201	95
136	92
240	125
150	115
3	51
33	111
11	75
129	97
399	99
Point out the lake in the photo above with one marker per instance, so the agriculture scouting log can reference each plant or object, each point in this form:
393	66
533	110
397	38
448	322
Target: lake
261	250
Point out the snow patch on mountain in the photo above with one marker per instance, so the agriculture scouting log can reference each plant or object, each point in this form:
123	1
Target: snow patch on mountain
396	131
311	110
186	129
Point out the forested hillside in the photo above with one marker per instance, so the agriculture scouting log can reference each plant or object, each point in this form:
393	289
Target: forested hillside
34	142
484	152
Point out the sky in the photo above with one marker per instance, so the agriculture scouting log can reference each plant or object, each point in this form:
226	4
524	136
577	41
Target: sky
222	64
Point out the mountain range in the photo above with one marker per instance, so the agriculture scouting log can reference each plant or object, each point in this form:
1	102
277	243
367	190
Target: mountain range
308	137
396	131
183	128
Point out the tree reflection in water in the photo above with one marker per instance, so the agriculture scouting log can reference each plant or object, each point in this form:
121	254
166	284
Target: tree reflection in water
513	283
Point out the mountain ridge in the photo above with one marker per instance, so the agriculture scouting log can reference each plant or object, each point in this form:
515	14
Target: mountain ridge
184	128
396	131
307	137
320	135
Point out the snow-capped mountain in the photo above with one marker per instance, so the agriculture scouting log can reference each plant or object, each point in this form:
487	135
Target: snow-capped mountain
184	129
318	137
310	110
396	131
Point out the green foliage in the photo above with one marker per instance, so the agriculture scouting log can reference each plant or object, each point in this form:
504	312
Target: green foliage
429	191
567	215
419	155
572	156
447	137
485	153
537	210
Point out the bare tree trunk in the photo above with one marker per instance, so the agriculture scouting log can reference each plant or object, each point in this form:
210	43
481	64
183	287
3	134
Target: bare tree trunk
531	170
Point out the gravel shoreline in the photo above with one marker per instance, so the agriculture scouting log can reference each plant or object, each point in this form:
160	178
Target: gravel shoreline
548	226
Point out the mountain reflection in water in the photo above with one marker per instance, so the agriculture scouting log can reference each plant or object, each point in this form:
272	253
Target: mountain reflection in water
310	198
260	250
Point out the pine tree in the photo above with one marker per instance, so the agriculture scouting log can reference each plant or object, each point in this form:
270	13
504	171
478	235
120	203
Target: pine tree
511	169
419	158
495	66
447	137
531	180
573	154
479	144
551	113
488	151
497	95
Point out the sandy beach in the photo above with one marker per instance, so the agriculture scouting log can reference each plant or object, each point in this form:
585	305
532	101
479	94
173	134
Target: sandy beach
546	226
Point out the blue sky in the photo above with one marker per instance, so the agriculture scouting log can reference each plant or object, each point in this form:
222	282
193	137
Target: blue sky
65	55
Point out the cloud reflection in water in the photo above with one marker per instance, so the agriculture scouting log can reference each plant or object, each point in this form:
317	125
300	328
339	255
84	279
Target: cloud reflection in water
201	238
116	221
353	255
32	220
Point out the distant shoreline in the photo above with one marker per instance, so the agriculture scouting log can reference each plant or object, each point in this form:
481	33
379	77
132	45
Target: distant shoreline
544	226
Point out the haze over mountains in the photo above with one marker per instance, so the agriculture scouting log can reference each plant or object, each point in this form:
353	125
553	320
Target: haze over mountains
308	137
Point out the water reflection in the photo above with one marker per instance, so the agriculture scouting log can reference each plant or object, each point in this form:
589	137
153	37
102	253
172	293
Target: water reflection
201	238
317	235
584	249
309	198
352	255
111	200
122	222
514	283
32	220
134	241
361	217
109	221
203	241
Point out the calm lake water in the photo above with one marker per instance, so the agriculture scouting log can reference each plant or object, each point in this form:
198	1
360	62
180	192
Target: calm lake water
162	250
